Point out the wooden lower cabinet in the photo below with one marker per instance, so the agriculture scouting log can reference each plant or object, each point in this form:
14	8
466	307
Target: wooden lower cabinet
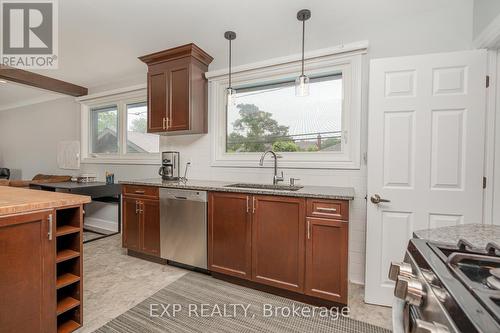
229	234
150	227
270	241
131	224
27	274
141	224
278	241
326	259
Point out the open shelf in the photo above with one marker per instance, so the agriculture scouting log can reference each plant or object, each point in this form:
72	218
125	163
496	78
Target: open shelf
66	254
69	268
66	230
66	303
66	279
68	326
68	216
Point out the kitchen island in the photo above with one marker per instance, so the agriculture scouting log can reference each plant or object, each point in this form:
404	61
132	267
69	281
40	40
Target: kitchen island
287	240
40	260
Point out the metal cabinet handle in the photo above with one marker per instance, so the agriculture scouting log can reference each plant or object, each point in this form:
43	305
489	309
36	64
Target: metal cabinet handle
168	122
49	234
248	199
141	207
325	209
376	199
163	125
253	204
137	207
308	229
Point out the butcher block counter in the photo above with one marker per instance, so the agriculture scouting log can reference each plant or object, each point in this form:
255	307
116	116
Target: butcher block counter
15	200
40	260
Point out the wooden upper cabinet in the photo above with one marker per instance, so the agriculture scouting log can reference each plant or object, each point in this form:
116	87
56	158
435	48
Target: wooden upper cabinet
27	274
157	101
278	241
326	259
229	234
178	116
177	90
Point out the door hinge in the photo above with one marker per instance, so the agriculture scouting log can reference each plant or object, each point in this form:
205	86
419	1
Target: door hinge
487	81
484	182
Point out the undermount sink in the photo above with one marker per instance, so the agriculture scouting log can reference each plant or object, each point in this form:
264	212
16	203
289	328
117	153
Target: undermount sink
267	186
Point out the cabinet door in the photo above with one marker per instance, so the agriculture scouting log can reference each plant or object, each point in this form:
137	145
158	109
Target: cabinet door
278	242
27	274
150	211
326	259
229	234
157	101
131	224
178	116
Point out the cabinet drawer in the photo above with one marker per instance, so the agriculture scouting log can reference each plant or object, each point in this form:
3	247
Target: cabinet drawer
141	191
337	209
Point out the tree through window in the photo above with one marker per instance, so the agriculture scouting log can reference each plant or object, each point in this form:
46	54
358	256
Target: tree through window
271	117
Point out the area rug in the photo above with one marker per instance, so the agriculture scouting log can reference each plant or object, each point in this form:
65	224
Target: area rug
200	303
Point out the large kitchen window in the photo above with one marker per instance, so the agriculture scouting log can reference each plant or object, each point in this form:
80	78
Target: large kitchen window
321	130
270	116
114	130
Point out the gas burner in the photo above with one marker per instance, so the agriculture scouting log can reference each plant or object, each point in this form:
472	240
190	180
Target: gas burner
464	245
493	249
493	281
495	272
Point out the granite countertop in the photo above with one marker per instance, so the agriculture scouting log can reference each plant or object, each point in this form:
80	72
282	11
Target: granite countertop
15	200
477	234
323	192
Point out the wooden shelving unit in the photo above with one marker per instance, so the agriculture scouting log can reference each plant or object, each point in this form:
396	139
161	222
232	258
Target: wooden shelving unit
68	231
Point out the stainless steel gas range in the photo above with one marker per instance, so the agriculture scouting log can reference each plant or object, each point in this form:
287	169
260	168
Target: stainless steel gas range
442	288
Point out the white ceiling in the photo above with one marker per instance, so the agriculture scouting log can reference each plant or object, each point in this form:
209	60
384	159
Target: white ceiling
16	95
99	41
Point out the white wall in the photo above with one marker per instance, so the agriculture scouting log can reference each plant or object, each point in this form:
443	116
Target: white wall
393	28
485	11
29	136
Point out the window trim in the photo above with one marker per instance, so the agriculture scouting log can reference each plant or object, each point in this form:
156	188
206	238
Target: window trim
121	98
348	60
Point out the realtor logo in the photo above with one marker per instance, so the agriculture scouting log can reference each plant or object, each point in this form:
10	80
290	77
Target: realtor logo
29	34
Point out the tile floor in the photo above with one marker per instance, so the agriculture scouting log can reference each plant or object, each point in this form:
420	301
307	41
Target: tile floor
114	282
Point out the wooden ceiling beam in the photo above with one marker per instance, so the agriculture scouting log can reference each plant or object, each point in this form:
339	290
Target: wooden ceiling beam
41	81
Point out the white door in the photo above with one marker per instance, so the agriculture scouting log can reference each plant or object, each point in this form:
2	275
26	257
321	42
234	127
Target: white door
425	153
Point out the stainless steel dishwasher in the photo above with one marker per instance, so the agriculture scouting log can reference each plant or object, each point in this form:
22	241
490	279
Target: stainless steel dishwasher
183	226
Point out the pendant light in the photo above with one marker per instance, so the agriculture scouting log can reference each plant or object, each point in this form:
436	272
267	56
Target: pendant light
302	82
230	35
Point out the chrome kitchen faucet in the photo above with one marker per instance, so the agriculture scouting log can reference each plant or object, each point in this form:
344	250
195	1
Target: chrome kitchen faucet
276	178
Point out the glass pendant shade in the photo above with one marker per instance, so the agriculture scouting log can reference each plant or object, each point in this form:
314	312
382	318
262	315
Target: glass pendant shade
302	86
230	92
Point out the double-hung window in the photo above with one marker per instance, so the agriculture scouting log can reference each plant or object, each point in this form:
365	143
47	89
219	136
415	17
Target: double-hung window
270	116
321	130
114	129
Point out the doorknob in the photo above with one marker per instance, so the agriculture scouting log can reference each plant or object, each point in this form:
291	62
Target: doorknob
376	199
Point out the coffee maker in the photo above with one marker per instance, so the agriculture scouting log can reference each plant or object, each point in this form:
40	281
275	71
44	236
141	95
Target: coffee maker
169	169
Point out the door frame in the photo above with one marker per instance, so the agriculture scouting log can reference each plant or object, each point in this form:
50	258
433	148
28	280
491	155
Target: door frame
491	148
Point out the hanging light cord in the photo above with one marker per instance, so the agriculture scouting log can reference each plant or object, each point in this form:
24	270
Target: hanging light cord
230	64
303	39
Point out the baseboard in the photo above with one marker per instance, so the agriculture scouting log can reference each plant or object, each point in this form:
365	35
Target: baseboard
101	223
147	257
277	291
